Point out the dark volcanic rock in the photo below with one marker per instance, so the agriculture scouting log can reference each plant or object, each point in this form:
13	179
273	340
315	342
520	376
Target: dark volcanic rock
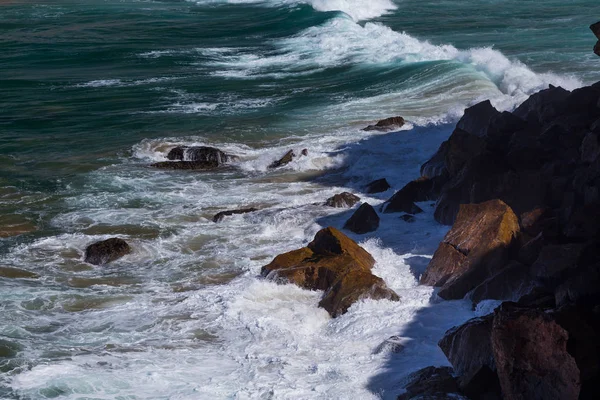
432	383
543	105
511	283
477	119
199	153
530	350
364	220
477	247
334	263
106	251
378	186
596	29
386	124
220	215
286	159
186	165
403	200
342	200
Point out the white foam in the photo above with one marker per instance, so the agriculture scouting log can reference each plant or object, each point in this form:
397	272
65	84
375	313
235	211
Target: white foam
123	83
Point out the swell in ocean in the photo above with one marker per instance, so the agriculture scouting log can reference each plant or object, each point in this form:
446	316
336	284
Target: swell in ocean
186	315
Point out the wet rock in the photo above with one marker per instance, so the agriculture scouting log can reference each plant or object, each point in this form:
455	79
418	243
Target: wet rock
386	124
597	48
334	263
342	200
220	215
596	29
9	349
543	105
378	186
187	165
478	246
530	350
510	283
364	220
199	153
468	347
106	251
393	344
432	383
477	119
286	159
407	218
421	189
17	273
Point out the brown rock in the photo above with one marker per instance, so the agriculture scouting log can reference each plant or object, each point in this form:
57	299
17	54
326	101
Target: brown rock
364	220
286	159
17	273
533	222
106	251
334	263
342	200
530	350
478	246
220	215
386	124
432	383
378	186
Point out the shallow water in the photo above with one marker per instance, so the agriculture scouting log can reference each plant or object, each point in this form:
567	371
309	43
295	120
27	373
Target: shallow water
94	91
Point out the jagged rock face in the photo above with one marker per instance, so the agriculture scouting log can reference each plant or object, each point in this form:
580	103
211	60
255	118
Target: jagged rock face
510	283
342	200
364	220
386	124
596	29
220	215
432	383
530	350
334	263
478	246
199	153
378	186
106	251
403	200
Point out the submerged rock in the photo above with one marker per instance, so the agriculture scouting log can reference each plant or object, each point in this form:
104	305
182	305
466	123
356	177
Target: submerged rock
386	124
364	220
220	215
286	159
106	251
17	273
478	246
342	200
378	186
334	263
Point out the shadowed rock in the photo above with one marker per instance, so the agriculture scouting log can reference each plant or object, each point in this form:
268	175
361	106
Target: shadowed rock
477	247
378	186
199	153
334	263
187	165
286	159
364	220
342	200
530	350
596	29
386	124
220	215
106	251
403	200
432	383
510	283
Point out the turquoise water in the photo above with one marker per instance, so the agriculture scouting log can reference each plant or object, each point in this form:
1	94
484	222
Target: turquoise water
93	91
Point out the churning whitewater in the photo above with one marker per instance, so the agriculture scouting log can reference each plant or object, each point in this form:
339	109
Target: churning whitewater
186	315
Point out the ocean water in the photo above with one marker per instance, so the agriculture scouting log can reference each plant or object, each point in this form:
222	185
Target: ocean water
92	92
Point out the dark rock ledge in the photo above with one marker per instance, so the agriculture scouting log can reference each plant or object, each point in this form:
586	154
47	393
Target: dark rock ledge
522	191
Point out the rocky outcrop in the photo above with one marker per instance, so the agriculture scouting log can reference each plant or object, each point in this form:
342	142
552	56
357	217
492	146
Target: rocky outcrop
404	200
477	247
342	200
377	186
199	153
106	251
386	124
596	29
186	165
286	159
334	263
530	351
364	220
220	215
432	383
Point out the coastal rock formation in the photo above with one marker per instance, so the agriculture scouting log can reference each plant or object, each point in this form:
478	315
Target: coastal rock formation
286	159
530	350
220	215
334	263
186	165
342	200
17	273
432	383
596	29
378	186
421	189
199	153
364	220
106	251
477	247
386	124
